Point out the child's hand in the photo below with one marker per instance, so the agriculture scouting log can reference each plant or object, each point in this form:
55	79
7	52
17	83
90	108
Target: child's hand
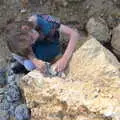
40	65
60	65
25	27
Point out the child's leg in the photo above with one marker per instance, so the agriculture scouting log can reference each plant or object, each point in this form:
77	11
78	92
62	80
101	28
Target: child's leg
18	58
27	63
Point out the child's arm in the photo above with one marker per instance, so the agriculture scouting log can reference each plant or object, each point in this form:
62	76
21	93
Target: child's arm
73	38
40	65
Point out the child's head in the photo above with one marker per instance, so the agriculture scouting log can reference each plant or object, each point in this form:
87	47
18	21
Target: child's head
18	43
21	38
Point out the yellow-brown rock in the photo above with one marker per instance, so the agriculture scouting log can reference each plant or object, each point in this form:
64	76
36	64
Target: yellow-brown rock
90	90
99	71
115	41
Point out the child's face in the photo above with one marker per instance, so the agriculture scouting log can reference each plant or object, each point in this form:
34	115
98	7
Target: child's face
34	35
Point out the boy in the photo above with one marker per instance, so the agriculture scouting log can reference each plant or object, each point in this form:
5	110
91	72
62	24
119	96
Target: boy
40	43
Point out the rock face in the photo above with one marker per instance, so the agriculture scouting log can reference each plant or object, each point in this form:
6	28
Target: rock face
98	28
115	42
99	71
54	99
93	58
90	89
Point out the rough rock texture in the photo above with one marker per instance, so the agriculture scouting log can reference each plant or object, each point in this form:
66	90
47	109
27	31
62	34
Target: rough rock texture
10	95
90	89
54	99
75	13
22	113
4	115
115	42
4	52
100	71
98	28
91	58
2	77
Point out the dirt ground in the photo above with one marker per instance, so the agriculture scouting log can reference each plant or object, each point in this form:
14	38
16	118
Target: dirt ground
75	13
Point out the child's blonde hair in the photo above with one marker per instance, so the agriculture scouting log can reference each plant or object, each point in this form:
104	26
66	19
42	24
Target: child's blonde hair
17	39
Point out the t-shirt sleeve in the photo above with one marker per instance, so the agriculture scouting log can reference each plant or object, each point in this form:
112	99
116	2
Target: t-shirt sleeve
54	20
47	23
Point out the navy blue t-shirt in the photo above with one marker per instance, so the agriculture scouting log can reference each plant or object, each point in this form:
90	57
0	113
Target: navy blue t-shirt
44	49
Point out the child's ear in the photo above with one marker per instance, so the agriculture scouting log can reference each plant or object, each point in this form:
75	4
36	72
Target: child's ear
25	28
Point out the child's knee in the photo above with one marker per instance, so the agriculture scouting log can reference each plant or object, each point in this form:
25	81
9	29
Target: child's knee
29	65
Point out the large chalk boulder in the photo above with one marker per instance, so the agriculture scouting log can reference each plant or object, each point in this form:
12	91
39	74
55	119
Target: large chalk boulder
91	90
115	42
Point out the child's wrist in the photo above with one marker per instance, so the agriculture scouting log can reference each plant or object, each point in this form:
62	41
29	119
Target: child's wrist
65	57
30	57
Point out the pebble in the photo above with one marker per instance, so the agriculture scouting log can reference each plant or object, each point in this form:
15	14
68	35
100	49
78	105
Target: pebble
4	105
2	91
1	98
50	71
12	108
22	112
2	77
10	96
4	115
11	79
13	93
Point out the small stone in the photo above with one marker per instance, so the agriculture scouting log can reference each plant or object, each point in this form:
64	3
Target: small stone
4	115
98	29
13	93
11	78
1	98
12	60
22	112
2	91
10	72
50	71
2	77
23	10
4	105
12	108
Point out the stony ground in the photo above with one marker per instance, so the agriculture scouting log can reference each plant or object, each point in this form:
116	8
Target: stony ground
84	15
12	106
75	13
